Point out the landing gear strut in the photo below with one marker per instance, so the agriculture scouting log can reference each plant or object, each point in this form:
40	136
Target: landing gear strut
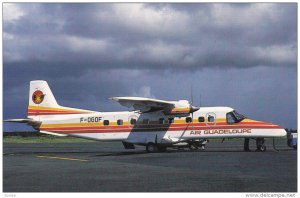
246	144
260	144
195	145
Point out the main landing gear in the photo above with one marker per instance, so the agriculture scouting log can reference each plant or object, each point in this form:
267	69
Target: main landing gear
153	148
260	144
196	144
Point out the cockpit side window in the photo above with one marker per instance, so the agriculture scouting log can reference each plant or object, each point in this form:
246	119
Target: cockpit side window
238	117
234	117
230	118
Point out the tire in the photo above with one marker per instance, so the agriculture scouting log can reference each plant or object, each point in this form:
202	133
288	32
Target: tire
151	148
193	147
262	148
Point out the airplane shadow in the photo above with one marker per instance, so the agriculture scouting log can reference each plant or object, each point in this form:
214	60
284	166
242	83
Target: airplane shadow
126	153
139	152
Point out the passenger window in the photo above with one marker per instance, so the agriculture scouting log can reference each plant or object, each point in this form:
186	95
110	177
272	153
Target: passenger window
105	122
133	121
211	118
230	119
188	119
120	122
161	121
171	120
146	121
201	119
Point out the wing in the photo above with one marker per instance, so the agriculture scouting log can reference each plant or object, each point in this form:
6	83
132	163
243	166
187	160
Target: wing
144	104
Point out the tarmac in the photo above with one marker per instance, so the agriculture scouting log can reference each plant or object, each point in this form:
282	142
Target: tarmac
108	167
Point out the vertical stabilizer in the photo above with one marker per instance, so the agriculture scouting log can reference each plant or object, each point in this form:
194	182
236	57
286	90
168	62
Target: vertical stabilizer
43	103
41	95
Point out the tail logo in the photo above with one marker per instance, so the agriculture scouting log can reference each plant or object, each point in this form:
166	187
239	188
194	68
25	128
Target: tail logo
38	97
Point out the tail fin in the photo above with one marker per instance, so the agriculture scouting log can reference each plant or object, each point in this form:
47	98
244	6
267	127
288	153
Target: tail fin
41	95
43	103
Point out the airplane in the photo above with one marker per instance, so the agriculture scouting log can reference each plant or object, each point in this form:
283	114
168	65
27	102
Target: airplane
155	124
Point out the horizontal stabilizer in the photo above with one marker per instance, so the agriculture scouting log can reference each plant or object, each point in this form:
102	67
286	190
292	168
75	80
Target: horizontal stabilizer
30	122
51	133
21	120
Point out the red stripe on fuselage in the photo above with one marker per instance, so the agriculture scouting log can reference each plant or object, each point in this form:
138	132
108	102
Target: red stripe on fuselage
117	129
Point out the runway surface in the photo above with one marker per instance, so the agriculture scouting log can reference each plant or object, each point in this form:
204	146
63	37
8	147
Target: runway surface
107	167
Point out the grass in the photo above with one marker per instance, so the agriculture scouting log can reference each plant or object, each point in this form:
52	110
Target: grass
43	139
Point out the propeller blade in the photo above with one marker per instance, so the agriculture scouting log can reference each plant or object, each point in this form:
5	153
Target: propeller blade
193	109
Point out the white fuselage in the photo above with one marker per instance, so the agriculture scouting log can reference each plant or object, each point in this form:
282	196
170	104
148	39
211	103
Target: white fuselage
142	128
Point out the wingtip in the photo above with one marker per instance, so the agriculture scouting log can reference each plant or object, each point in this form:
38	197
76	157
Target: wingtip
114	98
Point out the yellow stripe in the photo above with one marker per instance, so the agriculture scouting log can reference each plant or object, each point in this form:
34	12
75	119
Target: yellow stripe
196	120
81	124
71	124
115	123
62	158
56	109
249	120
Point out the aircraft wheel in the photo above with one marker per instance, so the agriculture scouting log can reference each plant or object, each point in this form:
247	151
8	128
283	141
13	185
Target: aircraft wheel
151	148
193	147
262	148
260	145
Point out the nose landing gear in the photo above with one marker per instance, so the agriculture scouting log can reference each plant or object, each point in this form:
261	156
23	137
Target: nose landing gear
260	144
246	144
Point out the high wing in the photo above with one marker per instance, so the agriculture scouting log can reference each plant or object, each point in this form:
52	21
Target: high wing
180	107
144	104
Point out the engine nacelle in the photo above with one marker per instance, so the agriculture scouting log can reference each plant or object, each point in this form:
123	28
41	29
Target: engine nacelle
181	108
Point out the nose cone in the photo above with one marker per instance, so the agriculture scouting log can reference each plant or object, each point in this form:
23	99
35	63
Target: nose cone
282	132
193	109
266	129
278	130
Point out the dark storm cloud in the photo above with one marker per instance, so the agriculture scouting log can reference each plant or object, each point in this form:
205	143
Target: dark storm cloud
90	52
143	35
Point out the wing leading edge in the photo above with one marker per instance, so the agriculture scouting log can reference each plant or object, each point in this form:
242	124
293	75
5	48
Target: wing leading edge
144	104
181	107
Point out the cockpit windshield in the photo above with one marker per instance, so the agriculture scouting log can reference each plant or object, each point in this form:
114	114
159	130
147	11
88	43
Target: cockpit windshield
234	117
238	117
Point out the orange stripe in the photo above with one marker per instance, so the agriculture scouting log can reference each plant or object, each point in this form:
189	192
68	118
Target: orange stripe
125	125
111	130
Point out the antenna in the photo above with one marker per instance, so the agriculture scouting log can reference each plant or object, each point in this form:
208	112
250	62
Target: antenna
192	97
200	105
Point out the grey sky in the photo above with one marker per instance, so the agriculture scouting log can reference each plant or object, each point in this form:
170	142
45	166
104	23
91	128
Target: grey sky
238	55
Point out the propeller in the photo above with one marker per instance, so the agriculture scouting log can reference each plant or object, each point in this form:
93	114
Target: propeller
193	108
